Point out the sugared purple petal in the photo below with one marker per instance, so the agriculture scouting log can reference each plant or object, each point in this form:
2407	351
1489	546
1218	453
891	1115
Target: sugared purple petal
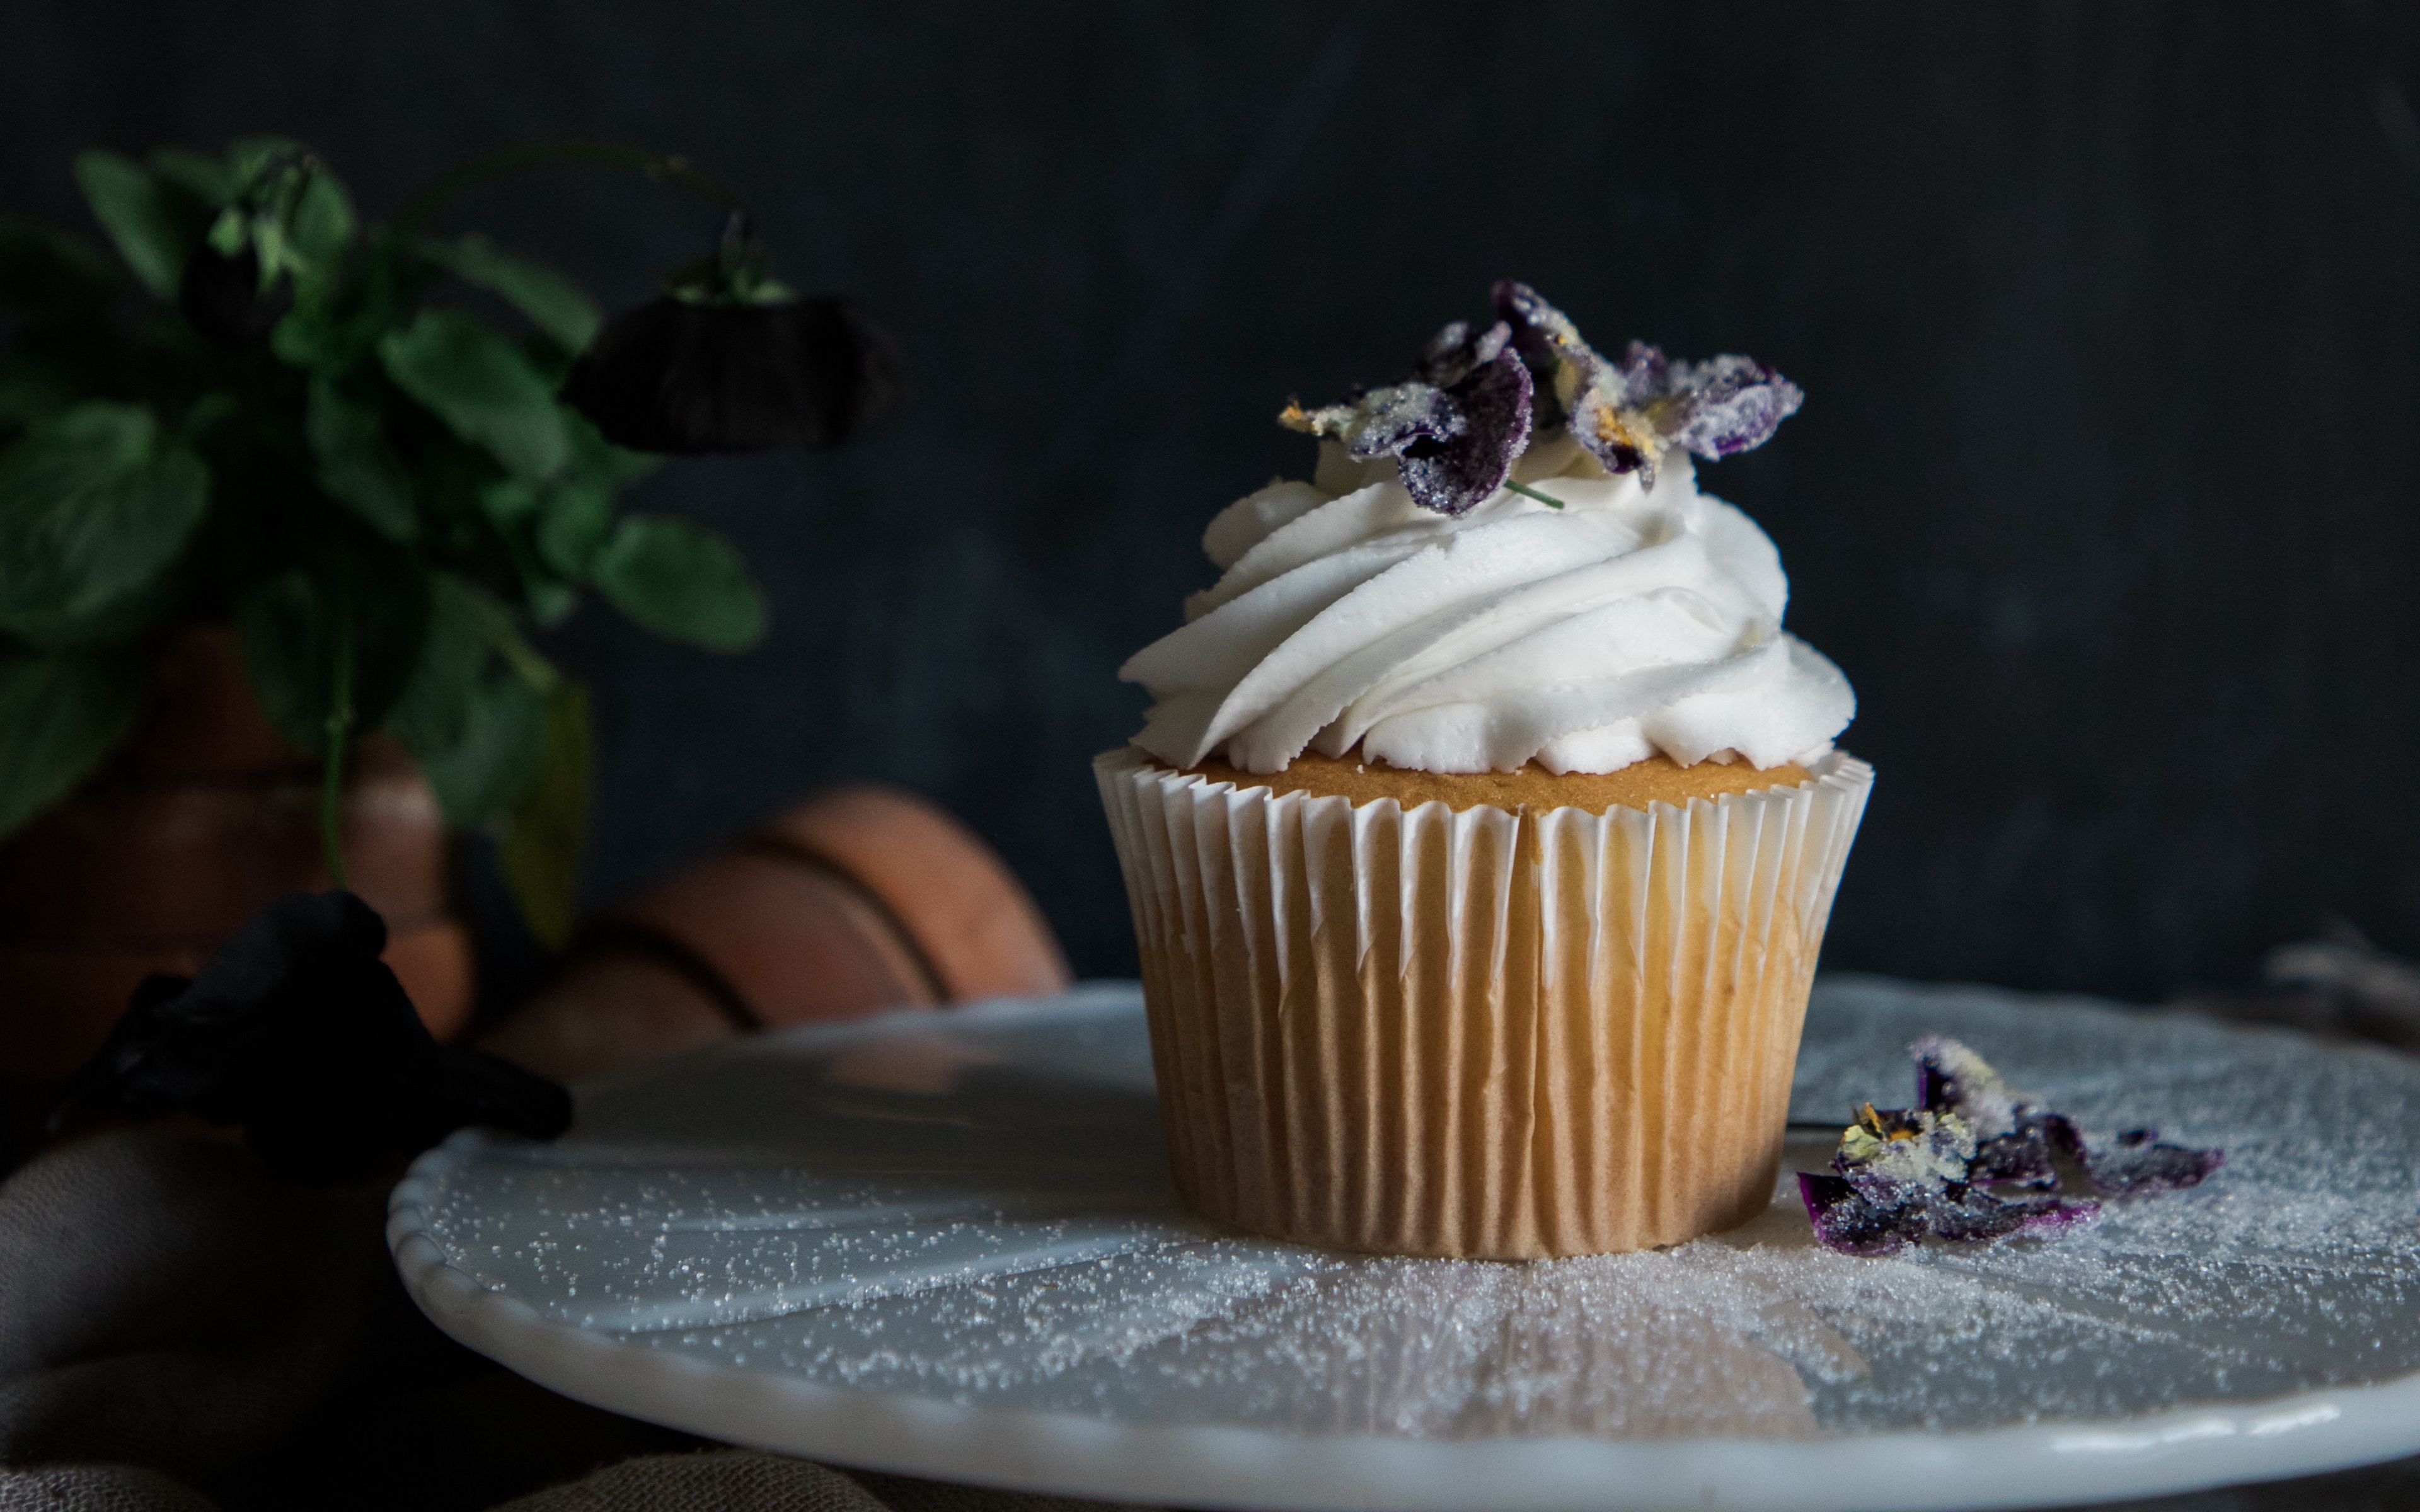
1530	369
1929	1171
1389	420
1848	1221
1454	353
1726	405
1454	476
1966	1212
2133	1160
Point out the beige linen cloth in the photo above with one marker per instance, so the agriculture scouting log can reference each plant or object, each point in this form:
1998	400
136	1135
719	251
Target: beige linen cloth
179	1333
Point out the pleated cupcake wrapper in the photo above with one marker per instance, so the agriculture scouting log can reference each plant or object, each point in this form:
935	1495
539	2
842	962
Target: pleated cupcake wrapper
1477	1033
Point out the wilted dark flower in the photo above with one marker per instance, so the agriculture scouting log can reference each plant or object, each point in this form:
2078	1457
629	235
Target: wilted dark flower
685	376
1902	1176
222	296
298	1031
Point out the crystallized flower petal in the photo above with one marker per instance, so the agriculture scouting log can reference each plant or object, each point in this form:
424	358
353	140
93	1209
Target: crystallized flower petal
1453	354
1454	476
2017	1138
2134	1159
1724	406
1387	421
1849	1221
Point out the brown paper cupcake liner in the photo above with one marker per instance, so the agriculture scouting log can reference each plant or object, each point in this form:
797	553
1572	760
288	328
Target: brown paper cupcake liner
1478	1033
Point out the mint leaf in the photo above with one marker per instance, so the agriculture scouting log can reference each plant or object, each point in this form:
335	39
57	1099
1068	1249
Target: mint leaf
539	850
356	466
482	387
681	582
150	229
495	751
95	503
61	714
431	714
573	525
553	303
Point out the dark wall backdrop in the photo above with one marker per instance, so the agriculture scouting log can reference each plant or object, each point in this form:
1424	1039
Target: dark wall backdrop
2104	494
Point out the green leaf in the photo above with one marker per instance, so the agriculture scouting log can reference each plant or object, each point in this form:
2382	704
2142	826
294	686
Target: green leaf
539	850
30	390
682	582
597	460
203	176
250	157
573	525
434	709
320	234
357	467
150	231
492	761
288	629
94	504
482	387
507	502
61	714
553	303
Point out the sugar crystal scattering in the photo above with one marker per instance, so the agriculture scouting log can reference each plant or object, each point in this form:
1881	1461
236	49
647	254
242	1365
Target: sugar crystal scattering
1014	1246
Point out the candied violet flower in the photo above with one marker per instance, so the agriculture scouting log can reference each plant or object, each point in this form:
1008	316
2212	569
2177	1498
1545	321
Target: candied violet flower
1901	1175
1629	414
1476	396
1456	444
729	360
2017	1138
297	1030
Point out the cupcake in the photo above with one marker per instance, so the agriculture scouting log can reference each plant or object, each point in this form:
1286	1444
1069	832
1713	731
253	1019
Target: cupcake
1483	831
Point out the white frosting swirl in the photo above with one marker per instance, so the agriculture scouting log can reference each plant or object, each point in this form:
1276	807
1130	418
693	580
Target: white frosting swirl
1584	638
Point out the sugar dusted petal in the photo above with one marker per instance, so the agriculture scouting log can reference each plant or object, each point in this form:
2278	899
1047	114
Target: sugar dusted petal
1733	405
1452	477
1454	353
1969	1214
1849	1221
1387	421
1951	1078
2135	1160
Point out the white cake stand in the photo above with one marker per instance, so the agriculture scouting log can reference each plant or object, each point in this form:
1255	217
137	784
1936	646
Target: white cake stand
944	1244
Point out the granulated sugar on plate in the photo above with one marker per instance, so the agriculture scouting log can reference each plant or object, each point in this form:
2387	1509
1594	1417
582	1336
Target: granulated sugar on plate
1003	1235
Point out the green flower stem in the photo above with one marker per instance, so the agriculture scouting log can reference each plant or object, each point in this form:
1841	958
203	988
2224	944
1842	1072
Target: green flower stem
496	624
1527	492
558	152
331	770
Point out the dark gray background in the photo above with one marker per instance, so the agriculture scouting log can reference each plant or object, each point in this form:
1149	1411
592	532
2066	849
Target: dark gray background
2103	495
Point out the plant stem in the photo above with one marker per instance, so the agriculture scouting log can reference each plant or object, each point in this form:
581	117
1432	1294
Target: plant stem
331	770
1527	492
557	152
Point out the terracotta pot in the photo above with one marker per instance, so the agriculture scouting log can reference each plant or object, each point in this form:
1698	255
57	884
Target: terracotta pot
206	815
862	899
